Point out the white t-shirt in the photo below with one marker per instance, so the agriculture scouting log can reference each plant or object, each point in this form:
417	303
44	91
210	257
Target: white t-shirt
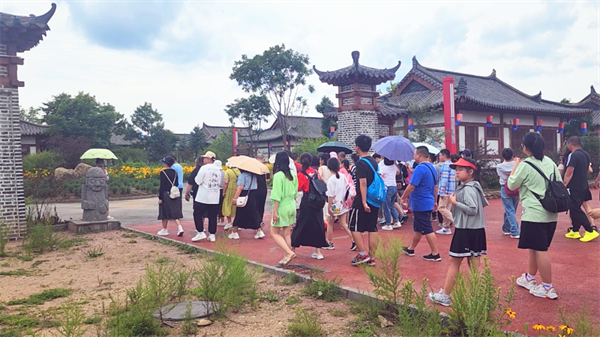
210	183
336	188
388	173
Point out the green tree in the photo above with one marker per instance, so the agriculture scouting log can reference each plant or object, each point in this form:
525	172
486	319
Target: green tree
280	74
389	88
197	141
145	118
422	115
252	112
326	124
223	145
30	115
310	145
82	116
159	143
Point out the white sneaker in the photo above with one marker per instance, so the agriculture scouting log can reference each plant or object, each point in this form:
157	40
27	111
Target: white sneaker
387	228
317	256
259	235
541	291
444	231
523	282
199	236
163	232
234	236
515	236
108	217
219	223
179	231
212	238
396	224
440	298
228	226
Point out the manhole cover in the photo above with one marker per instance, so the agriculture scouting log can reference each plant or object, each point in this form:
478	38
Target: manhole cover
177	312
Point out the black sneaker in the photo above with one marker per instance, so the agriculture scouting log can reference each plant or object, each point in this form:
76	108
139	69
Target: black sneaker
358	260
329	246
353	246
432	257
434	217
403	219
409	252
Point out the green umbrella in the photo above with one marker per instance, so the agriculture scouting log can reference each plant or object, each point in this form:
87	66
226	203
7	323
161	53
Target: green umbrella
335	147
98	154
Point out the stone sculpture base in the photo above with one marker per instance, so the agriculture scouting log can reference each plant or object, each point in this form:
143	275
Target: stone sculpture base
83	227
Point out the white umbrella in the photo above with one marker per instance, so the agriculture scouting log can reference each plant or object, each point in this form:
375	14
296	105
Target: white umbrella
432	149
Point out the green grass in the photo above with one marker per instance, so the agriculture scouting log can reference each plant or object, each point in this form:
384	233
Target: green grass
305	324
26	258
5	264
94	252
162	260
129	235
72	242
44	296
38	262
293	300
291	279
19	321
338	312
93	320
269	296
18	272
323	289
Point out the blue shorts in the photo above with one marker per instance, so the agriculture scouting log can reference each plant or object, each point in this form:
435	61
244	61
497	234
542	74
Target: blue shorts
422	222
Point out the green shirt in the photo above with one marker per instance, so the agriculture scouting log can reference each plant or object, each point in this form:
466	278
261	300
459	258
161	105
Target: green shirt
527	179
285	191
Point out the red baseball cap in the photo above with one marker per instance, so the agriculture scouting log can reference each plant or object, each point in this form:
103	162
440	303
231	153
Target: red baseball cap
463	163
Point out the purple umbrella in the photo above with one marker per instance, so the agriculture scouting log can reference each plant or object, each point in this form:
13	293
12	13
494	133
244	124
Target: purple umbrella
395	148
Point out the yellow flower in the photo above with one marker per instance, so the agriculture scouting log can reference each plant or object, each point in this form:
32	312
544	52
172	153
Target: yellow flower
550	328
559	335
510	313
539	327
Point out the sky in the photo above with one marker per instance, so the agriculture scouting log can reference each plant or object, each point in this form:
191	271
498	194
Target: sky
178	55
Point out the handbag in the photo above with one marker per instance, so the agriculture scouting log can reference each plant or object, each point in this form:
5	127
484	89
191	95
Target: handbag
509	192
174	192
242	201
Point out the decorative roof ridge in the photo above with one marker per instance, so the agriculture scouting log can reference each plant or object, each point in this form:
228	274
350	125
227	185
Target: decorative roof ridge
34	124
493	74
457	73
462	87
583	110
538	97
592	90
415	62
41	21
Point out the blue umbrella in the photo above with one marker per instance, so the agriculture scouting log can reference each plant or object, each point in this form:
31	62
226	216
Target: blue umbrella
395	148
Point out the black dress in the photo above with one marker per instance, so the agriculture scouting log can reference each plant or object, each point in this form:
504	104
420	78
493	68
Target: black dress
261	196
310	229
170	209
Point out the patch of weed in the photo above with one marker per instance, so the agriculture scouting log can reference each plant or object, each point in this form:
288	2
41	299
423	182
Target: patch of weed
338	312
189	327
68	243
18	272
93	320
71	319
5	264
269	296
9	332
26	258
305	324
129	235
19	321
41	238
293	300
38	262
186	249
4	237
368	308
132	241
290	279
40	298
360	328
323	289
94	252
162	260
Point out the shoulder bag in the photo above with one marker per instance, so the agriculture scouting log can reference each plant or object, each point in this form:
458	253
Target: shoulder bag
242	201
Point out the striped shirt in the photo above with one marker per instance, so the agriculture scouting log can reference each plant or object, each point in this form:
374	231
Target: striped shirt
447	184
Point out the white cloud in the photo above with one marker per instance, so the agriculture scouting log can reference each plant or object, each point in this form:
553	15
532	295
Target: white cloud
184	73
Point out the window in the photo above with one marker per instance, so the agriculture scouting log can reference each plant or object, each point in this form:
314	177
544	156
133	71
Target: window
549	139
471	138
516	137
493	132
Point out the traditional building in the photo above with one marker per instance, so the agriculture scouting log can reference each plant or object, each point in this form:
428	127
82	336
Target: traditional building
17	35
213	132
32	136
358	111
299	129
494	114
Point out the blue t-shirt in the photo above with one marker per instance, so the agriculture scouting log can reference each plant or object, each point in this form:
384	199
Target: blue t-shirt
179	171
423	178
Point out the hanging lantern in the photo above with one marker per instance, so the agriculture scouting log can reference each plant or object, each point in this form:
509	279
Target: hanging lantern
411	126
270	147
561	127
489	121
538	128
458	119
331	131
584	128
515	124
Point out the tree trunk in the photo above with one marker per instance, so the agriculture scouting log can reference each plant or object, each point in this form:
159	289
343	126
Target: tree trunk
283	128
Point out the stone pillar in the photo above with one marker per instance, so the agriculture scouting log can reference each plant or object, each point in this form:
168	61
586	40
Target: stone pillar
352	123
12	196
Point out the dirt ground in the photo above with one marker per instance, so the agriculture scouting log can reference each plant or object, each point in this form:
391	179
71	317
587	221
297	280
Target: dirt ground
93	280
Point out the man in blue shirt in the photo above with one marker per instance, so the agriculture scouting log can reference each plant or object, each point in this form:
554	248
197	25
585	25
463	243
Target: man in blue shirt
422	191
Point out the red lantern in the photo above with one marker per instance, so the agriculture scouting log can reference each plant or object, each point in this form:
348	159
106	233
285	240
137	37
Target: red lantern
489	120
583	128
459	118
538	128
411	126
561	127
515	124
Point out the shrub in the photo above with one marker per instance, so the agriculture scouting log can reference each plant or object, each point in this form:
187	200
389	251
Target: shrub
128	155
290	279
40	238
323	289
72	320
305	324
225	279
47	160
386	279
293	300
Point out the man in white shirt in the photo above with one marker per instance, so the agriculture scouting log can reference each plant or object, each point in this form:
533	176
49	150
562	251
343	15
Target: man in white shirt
207	199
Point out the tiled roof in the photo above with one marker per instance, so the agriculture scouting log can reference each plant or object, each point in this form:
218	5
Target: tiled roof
490	91
298	127
32	129
119	140
357	73
212	132
25	31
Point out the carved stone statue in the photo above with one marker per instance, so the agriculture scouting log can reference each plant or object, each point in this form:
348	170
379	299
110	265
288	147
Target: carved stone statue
94	195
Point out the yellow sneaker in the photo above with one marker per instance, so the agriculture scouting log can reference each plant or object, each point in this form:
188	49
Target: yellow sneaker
572	235
589	236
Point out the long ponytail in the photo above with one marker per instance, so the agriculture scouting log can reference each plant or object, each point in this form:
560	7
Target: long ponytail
534	142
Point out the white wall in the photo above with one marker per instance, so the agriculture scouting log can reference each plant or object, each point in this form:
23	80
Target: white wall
461	138
506	137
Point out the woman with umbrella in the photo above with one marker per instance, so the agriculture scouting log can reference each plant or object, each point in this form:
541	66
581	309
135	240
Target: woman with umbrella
283	195
310	228
246	215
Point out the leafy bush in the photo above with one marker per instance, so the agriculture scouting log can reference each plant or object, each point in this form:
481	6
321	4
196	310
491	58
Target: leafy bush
72	320
225	279
40	238
129	155
310	145
47	160
323	289
305	324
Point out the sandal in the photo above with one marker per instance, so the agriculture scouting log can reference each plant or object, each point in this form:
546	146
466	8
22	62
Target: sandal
287	259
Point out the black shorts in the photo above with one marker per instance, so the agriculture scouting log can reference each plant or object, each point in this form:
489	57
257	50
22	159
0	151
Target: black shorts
361	221
468	242
536	235
422	222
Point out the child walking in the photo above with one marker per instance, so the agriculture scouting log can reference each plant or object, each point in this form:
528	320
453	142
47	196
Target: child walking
469	236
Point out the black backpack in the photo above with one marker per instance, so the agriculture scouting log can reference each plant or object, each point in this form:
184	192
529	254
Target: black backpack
557	198
316	192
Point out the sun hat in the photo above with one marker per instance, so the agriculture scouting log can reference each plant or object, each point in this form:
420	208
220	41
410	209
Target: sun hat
209	154
332	154
463	163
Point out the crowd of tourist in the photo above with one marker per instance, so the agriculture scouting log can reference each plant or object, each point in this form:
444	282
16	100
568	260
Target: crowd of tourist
312	194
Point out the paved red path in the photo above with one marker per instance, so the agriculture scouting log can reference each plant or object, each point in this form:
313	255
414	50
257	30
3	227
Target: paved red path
575	265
